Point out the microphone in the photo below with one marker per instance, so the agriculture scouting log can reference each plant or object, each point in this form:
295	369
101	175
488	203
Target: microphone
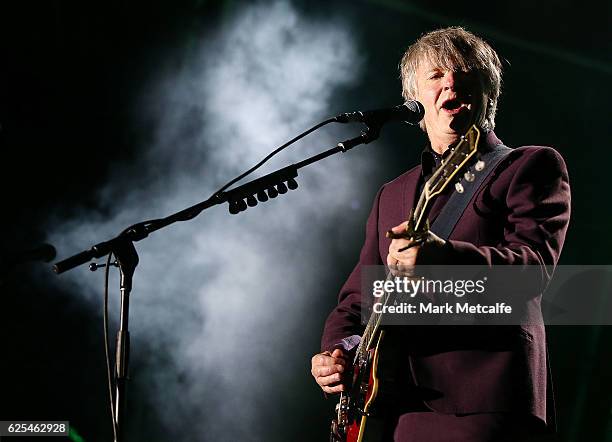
410	112
9	260
45	252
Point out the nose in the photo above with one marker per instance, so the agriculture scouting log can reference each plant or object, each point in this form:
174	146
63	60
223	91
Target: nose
450	79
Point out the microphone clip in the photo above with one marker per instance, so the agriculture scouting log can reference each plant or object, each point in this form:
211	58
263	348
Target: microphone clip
366	137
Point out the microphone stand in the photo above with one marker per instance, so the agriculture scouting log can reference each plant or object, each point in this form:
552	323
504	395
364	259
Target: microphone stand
127	259
122	246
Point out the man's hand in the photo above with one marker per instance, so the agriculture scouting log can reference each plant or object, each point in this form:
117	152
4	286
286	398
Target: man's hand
327	369
403	253
401	262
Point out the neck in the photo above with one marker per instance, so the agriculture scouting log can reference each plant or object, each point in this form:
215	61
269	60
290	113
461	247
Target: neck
439	144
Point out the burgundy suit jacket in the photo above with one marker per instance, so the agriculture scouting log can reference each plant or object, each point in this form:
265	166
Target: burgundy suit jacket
518	216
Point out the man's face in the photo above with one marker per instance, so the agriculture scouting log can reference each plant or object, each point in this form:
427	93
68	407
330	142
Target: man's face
451	100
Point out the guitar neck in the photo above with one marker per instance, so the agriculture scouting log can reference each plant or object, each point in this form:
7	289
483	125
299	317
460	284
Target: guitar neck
417	220
371	331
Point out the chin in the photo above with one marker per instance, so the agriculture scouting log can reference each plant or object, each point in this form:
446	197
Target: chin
460	125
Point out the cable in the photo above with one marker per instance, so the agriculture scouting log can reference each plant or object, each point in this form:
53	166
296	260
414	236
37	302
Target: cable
262	162
241	176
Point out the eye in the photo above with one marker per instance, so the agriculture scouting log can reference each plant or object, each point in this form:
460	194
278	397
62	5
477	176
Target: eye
435	75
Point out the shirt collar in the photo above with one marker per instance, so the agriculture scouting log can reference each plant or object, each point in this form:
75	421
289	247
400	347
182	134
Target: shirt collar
430	160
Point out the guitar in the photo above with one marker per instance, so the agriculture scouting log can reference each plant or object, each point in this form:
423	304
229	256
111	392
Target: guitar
354	407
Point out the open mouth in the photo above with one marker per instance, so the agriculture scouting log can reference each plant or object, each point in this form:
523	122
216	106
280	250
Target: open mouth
454	106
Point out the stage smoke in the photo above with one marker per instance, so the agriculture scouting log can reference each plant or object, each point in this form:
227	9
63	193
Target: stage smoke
220	302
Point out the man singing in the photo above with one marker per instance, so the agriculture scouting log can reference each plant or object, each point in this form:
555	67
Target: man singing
468	383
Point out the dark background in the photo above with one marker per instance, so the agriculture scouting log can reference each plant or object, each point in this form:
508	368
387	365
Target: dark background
70	73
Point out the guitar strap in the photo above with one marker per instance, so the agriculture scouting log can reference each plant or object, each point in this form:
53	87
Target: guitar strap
448	218
457	203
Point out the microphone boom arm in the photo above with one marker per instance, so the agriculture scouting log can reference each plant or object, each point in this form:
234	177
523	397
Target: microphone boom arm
239	199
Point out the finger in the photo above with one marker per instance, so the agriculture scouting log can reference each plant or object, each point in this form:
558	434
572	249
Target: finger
400	228
414	245
322	371
396	233
335	389
407	257
322	359
340	361
326	370
327	381
338	353
404	247
410	245
318	369
397	244
339	356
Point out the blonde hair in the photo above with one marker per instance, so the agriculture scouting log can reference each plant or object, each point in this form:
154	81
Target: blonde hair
456	49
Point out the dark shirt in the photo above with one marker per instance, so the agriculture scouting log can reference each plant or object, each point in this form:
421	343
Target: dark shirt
430	161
